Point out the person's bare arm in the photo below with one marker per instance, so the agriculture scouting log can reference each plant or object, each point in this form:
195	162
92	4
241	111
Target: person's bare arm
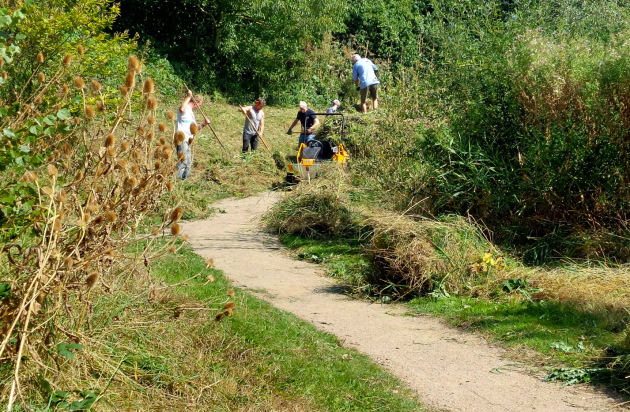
315	124
292	126
261	127
182	108
245	110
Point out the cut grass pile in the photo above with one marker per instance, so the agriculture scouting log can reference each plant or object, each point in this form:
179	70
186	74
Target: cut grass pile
152	346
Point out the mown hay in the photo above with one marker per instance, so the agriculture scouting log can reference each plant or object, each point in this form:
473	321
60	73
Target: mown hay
317	210
423	255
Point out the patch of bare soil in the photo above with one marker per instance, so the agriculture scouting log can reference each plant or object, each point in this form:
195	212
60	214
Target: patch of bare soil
450	369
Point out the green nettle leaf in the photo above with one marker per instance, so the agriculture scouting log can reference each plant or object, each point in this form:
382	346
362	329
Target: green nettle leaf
50	120
5	290
34	130
63	114
5	21
65	349
25	149
8	133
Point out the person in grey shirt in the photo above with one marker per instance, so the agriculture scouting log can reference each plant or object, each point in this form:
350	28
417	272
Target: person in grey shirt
257	117
334	107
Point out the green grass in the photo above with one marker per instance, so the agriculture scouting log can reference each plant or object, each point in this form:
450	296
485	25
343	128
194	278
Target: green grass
562	334
303	361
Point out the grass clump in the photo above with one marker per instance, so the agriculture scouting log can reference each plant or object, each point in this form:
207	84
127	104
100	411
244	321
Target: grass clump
319	210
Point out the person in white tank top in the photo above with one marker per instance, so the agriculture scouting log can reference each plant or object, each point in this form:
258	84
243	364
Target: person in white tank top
185	117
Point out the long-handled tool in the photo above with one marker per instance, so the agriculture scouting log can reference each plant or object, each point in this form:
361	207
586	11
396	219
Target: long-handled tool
208	121
254	127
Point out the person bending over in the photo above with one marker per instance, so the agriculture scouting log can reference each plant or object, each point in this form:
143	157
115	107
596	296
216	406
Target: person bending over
364	77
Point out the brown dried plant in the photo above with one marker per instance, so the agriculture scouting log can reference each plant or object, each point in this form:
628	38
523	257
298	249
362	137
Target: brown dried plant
89	205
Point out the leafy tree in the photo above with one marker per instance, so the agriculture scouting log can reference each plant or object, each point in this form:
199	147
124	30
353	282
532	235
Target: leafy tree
255	46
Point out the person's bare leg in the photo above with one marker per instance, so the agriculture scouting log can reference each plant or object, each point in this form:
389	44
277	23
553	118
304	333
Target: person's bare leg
375	104
364	107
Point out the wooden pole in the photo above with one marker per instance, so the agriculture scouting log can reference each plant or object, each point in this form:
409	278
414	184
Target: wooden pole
254	127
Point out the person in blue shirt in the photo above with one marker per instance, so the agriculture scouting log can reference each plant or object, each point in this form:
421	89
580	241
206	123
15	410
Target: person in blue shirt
363	76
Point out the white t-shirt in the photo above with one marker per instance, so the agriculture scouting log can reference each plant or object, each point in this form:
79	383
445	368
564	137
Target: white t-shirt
184	120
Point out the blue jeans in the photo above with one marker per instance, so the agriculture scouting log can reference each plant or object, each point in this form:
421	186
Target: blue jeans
305	138
183	168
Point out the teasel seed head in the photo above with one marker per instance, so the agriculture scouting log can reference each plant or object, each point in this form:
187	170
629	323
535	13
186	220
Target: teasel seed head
158	165
167	153
148	86
137	154
179	137
162	141
110	141
57	225
57	153
61	196
175	229
194	129
92	207
111	152
140	130
2	61
76	120
110	216
229	305
185	238
79	176
124	146
181	157
169	186
134	64
67	60
155	232
100	106
171	249
151	120
50	158
41	77
149	136
96	85
219	317
80	50
176	214
91	280
210	278
52	170
29	177
162	127
65	89
86	218
209	263
129	183
89	111
228	312
47	190
78	82
130	80
135	169
151	103
38	100
98	220
68	263
230	293
109	252
122	163
4	75
170	115
123	90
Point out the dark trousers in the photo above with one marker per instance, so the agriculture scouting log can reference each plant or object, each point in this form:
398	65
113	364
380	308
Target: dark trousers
250	139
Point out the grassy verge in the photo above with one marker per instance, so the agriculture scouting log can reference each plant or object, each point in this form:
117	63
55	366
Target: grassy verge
547	333
287	358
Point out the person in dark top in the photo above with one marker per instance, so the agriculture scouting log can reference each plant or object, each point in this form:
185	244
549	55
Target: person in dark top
308	122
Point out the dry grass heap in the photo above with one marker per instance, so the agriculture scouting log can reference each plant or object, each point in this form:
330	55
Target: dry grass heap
321	209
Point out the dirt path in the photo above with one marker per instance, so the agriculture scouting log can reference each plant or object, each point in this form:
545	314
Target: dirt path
450	369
